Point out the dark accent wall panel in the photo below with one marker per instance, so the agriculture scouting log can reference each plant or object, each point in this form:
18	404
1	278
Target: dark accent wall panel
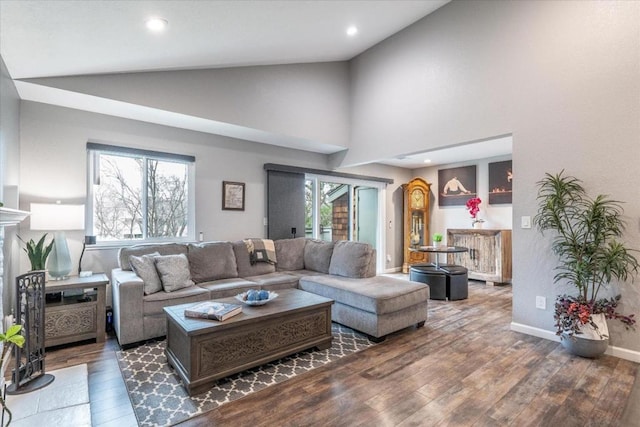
285	204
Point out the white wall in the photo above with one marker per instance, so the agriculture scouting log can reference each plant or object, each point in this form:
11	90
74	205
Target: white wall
9	180
443	217
561	77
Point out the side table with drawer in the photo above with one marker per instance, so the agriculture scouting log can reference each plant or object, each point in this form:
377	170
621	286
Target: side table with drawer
79	317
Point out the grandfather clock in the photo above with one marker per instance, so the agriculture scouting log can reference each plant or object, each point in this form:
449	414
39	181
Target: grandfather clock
416	221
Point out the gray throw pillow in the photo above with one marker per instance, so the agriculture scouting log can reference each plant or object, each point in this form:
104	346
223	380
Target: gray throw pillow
350	259
212	261
290	254
145	267
317	255
174	272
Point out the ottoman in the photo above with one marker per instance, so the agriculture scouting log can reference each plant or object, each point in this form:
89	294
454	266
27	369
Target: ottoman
376	305
434	277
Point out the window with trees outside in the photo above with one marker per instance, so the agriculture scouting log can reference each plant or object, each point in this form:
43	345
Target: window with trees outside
139	195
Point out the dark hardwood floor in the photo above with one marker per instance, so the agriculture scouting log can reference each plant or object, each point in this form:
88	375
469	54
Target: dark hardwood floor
464	368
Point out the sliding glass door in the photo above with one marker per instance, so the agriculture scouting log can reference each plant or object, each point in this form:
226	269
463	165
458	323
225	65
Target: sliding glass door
341	210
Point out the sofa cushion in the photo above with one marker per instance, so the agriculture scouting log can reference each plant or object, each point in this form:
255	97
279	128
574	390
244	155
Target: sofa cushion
245	269
350	259
174	272
290	254
145	249
153	304
317	255
145	267
212	261
223	288
380	294
275	280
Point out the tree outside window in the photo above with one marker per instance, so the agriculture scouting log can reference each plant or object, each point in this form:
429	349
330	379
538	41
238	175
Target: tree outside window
139	198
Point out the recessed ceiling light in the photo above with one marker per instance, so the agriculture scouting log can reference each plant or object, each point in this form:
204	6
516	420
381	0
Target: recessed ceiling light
157	24
352	30
427	160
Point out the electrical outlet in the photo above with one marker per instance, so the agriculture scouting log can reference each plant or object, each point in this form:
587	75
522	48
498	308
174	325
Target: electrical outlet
265	221
541	303
525	222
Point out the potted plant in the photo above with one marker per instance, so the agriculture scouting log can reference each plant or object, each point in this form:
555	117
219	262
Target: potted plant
585	239
437	239
12	337
473	206
37	252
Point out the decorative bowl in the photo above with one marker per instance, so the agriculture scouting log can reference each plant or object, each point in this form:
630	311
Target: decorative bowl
242	298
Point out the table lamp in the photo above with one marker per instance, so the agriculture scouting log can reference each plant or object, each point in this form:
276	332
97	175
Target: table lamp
58	218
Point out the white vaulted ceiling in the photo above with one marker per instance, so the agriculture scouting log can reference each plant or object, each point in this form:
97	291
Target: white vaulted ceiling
58	38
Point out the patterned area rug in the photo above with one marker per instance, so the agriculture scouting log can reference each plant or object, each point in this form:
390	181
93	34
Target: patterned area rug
159	399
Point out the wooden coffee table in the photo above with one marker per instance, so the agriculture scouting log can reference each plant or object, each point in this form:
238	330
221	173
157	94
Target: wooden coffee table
203	351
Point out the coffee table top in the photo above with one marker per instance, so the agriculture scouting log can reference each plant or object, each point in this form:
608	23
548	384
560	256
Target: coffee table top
289	301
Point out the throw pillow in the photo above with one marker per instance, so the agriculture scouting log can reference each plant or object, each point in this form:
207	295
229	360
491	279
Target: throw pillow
317	255
212	261
350	259
174	272
290	253
145	267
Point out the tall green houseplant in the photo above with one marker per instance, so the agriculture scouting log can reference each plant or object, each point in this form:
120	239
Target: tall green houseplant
586	233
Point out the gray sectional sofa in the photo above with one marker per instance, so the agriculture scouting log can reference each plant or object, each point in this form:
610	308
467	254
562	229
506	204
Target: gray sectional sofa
153	276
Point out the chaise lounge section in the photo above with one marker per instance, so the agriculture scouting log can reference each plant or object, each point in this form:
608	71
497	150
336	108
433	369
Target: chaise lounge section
343	271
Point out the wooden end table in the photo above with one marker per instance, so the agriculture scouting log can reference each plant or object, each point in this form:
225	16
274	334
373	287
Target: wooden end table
76	318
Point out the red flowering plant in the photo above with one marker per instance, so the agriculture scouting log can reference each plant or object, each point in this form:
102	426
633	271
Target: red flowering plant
572	313
473	206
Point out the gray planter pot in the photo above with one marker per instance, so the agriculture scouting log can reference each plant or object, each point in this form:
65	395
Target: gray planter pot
584	347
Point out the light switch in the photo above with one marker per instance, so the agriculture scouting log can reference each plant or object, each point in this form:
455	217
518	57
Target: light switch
525	222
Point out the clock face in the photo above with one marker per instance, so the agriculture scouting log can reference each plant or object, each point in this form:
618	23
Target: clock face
417	199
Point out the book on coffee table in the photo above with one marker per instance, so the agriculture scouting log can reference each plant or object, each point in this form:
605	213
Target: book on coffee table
213	310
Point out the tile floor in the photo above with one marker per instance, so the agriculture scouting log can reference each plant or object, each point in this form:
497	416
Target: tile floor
64	402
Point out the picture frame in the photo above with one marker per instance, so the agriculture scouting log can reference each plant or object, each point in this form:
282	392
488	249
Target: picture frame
233	195
500	183
456	185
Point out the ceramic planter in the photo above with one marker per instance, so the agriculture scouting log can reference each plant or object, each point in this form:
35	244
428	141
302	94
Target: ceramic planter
591	343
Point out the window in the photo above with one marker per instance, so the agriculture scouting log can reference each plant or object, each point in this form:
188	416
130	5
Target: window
341	209
139	195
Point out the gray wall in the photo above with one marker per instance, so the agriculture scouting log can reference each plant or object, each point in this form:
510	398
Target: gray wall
561	77
307	101
53	167
9	179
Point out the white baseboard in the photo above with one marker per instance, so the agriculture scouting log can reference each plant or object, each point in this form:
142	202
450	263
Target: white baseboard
536	332
622	353
393	270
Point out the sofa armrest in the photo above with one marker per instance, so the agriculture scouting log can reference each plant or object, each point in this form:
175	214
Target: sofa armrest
128	306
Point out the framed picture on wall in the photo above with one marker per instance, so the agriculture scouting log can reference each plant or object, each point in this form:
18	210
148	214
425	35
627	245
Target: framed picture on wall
456	185
500	180
233	196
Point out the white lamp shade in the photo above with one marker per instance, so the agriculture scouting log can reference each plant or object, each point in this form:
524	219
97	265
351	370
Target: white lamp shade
48	216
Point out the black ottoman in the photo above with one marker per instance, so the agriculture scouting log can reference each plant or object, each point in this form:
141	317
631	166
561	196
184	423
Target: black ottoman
435	278
457	282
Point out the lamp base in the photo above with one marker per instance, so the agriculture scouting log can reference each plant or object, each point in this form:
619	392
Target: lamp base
59	262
